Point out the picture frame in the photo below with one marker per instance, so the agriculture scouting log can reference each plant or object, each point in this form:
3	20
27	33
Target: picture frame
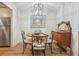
38	21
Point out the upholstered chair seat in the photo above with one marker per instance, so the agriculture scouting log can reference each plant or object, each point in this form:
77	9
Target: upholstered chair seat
38	46
28	40
63	27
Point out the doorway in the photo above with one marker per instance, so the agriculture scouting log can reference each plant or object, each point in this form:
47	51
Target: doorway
5	25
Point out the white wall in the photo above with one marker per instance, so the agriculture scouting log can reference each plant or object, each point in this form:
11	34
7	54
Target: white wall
14	40
70	12
75	18
24	21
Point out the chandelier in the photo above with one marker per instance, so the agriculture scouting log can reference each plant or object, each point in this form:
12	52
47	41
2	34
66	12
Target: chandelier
38	9
38	17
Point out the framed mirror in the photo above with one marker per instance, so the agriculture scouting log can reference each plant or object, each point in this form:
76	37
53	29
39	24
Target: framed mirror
38	21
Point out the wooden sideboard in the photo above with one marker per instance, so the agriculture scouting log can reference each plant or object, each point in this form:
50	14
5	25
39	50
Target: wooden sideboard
63	38
63	35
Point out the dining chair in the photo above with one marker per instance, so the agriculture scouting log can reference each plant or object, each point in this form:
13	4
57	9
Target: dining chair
26	40
49	43
49	40
39	44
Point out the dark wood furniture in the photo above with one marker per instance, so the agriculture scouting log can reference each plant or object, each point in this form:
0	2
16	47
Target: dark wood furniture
39	43
63	37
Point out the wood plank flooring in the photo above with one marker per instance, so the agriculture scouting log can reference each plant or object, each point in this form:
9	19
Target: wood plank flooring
17	51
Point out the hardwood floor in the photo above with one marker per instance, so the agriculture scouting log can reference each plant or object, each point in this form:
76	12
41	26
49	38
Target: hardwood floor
17	51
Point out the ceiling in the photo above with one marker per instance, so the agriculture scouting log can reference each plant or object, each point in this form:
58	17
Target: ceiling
25	5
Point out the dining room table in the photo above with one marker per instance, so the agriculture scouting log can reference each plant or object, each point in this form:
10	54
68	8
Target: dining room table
38	37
